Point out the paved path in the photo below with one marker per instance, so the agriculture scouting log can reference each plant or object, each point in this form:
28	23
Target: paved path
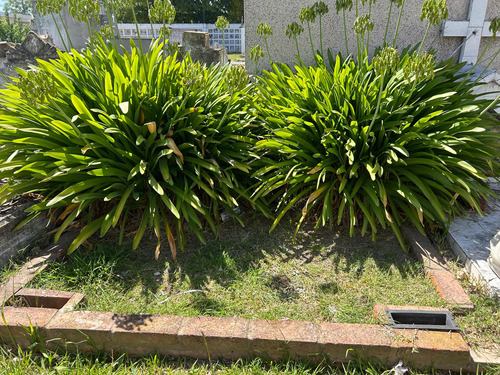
470	236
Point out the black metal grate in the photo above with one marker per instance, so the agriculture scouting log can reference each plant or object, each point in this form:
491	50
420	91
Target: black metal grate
418	319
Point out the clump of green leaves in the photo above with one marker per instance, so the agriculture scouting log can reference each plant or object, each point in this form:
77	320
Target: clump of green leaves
36	87
353	144
420	66
495	26
44	7
434	11
162	11
363	24
84	10
386	62
308	15
15	31
128	141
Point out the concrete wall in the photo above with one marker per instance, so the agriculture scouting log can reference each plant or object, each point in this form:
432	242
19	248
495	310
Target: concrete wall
12	242
45	26
25	19
280	13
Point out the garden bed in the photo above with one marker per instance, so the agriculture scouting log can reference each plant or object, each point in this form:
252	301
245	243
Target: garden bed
249	273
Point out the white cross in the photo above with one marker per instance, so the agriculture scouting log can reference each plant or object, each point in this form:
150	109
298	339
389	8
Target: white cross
473	30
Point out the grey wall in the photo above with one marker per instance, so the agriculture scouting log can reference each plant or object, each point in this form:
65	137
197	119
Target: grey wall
45	26
280	13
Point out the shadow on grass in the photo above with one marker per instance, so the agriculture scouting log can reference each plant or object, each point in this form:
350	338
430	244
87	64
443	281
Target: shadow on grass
238	250
237	255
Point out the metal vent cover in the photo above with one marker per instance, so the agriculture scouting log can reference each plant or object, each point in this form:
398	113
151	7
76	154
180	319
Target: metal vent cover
421	319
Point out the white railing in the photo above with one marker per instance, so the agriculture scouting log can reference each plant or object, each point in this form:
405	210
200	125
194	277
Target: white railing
234	36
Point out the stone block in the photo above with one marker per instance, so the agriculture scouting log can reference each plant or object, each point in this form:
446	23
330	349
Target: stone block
197	45
442	350
33	47
11	242
4	47
337	340
195	39
33	44
18	321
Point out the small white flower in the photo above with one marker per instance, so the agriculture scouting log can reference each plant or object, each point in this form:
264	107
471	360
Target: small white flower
399	369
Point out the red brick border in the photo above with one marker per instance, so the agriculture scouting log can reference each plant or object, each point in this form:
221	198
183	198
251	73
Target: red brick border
30	269
233	338
437	271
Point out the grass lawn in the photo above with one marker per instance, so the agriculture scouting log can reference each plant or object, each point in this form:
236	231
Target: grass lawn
18	362
247	272
236	57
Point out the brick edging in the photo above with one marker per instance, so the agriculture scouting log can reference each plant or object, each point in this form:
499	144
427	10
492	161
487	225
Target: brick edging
234	338
437	271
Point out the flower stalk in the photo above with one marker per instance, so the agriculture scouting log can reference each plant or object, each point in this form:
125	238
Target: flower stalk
265	30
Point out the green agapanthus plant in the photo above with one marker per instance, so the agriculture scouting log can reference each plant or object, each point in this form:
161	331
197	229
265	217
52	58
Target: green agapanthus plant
256	53
86	11
308	15
265	30
344	5
132	141
164	12
321	9
293	30
222	24
375	145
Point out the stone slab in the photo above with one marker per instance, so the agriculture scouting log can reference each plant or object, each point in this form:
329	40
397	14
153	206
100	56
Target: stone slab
284	337
85	330
146	334
11	242
469	237
436	269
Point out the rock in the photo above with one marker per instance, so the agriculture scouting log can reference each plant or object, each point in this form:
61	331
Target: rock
4	47
195	39
33	44
494	259
197	44
32	48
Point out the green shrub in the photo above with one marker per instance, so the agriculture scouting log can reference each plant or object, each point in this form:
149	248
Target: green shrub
349	144
14	32
109	139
